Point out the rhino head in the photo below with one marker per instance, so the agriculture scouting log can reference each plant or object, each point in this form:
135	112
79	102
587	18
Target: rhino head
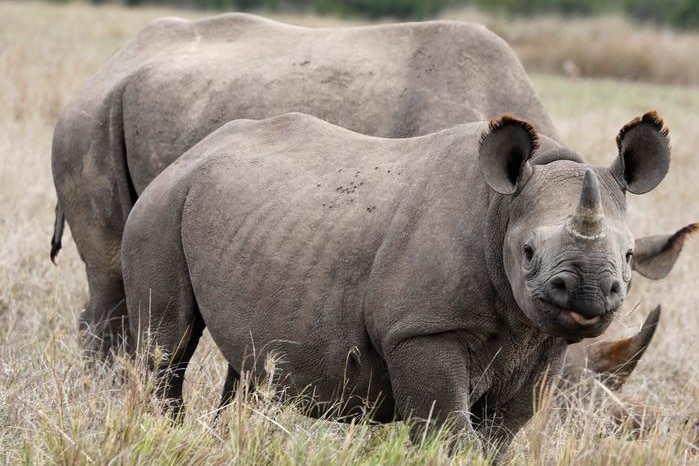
567	247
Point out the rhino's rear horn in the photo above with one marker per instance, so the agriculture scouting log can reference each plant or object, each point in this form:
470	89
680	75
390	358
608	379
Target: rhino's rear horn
614	361
588	219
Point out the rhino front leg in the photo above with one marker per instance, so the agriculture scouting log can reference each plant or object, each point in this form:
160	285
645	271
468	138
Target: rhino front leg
498	427
498	421
429	378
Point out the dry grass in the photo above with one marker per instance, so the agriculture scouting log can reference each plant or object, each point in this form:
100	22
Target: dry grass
608	46
53	411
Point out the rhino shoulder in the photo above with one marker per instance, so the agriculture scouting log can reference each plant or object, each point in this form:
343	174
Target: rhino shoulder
231	26
293	125
462	35
163	25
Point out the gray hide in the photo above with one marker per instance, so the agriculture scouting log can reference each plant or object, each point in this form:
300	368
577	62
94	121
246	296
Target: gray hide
179	80
389	276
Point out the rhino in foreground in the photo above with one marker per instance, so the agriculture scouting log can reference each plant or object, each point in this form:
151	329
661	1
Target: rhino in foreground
438	277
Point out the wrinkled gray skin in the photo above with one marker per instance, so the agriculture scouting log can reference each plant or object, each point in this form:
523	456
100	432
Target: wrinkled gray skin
431	277
179	80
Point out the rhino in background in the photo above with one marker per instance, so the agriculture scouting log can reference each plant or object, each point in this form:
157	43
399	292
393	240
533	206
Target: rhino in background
437	277
179	80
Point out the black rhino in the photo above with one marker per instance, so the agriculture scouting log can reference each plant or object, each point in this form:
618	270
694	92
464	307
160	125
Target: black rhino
437	277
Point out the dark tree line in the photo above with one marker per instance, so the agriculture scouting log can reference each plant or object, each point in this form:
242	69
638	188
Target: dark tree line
676	13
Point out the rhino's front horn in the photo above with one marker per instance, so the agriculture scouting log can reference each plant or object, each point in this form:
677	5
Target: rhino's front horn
588	220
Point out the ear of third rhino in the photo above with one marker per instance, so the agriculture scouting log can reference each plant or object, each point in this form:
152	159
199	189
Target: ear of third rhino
655	256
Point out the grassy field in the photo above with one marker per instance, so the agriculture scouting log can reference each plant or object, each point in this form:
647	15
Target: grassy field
609	46
54	411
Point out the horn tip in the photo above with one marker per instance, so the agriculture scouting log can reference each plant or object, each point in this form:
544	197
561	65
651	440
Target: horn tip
590	196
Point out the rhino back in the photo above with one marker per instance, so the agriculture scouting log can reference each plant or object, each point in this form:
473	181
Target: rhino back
281	236
88	154
392	80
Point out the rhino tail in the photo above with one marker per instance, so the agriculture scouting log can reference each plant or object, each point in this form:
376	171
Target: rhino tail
614	361
58	226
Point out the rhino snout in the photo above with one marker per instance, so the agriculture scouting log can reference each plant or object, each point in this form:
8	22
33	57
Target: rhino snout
565	291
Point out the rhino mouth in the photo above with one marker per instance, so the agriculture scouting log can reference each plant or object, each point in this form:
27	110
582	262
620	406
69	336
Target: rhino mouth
569	323
579	319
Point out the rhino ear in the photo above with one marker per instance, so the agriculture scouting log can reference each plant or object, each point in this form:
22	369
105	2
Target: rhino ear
505	148
644	154
614	361
654	256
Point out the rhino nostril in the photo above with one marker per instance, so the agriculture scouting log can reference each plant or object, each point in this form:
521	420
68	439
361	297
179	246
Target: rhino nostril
611	287
616	288
558	283
558	290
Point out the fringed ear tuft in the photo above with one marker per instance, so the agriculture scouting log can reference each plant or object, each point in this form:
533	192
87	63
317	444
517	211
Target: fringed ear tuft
676	241
504	152
655	256
651	118
509	119
644	154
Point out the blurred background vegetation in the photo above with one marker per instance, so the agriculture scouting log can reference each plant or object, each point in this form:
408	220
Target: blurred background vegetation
675	13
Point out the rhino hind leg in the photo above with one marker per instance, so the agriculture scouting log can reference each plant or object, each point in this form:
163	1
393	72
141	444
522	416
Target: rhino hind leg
163	312
167	326
103	324
229	387
95	194
170	370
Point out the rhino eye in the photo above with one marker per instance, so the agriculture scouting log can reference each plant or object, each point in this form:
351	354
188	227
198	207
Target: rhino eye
629	255
528	252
